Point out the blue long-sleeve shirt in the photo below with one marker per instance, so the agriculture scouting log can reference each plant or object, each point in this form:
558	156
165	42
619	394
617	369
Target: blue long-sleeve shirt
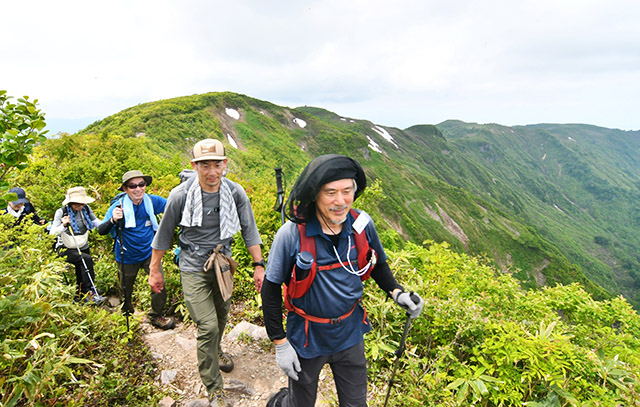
136	241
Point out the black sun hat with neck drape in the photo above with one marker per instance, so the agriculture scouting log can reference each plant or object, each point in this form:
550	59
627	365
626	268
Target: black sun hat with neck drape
300	206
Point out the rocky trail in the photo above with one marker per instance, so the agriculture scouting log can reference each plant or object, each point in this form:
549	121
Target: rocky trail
253	380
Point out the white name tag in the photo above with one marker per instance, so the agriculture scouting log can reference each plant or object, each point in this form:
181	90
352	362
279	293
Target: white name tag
147	223
361	222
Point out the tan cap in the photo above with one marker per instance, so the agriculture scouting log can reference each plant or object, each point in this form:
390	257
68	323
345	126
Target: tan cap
77	195
134	174
208	149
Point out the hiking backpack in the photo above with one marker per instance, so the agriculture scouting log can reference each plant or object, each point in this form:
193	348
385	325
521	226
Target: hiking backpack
301	279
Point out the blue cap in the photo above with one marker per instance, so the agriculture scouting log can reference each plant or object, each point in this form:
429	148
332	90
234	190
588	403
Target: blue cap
21	195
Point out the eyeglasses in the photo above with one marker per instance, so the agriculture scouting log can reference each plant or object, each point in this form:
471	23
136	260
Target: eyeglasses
142	184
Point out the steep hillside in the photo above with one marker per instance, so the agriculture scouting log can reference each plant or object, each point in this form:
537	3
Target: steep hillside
539	205
577	185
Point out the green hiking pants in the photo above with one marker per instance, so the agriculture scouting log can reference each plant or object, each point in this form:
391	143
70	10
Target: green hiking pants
209	311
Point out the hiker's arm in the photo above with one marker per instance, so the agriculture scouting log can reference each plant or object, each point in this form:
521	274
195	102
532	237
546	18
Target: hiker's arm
93	218
383	276
36	219
272	311
411	302
249	229
110	219
286	357
156	281
258	271
107	223
59	222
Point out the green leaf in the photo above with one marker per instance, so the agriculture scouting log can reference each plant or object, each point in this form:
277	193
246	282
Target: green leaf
456	383
75	360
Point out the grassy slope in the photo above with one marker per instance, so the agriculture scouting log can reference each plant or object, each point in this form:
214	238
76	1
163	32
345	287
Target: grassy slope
490	180
577	186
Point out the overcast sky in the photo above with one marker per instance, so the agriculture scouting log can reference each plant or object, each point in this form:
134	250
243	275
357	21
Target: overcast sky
395	63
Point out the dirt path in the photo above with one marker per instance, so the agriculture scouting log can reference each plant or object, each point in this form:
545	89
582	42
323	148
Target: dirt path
254	378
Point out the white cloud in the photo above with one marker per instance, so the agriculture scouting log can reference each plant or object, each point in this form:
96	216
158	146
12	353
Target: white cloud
398	64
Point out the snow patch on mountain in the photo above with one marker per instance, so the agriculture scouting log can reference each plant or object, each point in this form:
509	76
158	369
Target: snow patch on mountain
232	113
300	122
232	141
374	146
384	133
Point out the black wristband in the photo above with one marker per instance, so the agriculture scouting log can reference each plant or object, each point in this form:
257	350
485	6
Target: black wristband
258	263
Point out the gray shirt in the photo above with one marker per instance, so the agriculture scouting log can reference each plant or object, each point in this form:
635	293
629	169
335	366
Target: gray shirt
206	237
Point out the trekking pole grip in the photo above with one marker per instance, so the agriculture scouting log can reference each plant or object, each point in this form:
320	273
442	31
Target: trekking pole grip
279	206
279	180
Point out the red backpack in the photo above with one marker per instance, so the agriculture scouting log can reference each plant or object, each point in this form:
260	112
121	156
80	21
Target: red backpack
301	280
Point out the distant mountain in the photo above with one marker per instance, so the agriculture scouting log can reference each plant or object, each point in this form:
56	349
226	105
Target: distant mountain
549	203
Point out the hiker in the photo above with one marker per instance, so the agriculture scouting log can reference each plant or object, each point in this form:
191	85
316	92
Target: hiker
131	222
330	248
209	209
72	224
21	208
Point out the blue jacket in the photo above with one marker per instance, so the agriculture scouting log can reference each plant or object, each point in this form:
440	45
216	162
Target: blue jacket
136	241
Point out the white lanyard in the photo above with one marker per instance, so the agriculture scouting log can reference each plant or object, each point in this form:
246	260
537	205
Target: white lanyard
351	270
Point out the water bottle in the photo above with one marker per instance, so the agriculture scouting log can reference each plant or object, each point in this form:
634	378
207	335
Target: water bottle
304	261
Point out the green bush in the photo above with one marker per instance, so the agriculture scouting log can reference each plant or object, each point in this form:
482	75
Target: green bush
54	351
482	340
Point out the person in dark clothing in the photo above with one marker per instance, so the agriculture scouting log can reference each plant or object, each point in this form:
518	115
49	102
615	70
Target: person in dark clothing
21	208
72	224
323	254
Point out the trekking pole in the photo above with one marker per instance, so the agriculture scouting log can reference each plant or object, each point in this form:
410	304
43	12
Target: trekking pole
84	263
279	207
121	266
400	349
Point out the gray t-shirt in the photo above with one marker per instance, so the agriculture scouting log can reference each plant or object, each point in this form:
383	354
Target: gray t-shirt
206	237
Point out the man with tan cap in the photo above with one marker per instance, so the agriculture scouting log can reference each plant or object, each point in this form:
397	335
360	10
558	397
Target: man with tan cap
131	221
72	224
209	209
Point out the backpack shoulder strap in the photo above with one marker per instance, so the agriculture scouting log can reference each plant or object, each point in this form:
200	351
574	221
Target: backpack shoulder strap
362	246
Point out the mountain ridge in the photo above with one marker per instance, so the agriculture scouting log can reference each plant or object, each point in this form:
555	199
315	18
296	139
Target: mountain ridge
524	196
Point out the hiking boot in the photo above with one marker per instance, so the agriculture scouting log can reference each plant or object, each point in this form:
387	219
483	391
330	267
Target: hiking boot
225	363
276	399
217	399
162	322
98	299
93	299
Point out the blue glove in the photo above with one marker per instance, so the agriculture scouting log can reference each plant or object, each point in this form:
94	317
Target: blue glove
287	360
411	302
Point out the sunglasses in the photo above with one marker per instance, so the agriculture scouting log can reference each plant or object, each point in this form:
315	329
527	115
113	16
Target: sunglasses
134	186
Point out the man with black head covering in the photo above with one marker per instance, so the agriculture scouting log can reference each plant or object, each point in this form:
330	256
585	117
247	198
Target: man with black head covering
322	255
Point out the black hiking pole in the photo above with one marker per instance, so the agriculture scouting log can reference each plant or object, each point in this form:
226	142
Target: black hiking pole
400	349
279	207
84	263
121	267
